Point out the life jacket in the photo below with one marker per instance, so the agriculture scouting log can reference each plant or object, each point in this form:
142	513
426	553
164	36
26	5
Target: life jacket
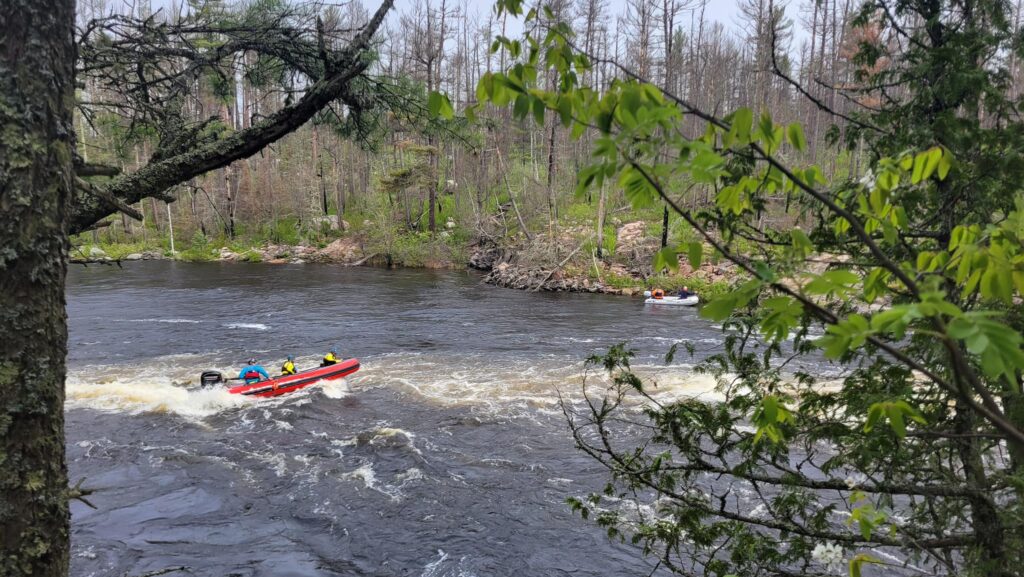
252	376
330	359
288	368
657	293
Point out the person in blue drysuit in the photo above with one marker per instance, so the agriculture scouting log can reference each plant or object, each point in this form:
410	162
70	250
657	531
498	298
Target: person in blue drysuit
252	372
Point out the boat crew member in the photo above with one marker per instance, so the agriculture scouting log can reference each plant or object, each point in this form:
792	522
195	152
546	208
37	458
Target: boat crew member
253	373
288	368
658	293
330	358
685	293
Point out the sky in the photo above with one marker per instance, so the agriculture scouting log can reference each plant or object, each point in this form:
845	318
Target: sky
723	11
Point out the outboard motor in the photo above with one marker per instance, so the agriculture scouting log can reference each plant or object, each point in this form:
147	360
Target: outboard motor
210	378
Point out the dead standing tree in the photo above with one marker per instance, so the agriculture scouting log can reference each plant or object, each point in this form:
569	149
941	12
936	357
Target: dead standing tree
44	196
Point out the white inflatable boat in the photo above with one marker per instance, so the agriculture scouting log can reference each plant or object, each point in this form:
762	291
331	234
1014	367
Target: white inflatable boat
671	300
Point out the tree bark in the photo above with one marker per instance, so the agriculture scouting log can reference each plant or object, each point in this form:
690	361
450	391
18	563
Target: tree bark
36	178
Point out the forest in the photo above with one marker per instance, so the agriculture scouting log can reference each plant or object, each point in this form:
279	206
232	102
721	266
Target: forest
392	177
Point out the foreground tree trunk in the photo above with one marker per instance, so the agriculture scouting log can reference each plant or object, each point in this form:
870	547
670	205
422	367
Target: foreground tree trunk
36	175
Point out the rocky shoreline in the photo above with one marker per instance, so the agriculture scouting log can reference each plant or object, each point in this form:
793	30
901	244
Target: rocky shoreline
347	251
536	265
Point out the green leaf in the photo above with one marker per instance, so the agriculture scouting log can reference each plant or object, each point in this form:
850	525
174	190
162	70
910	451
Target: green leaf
666	258
768	133
719	309
795	134
770	406
834	346
933	156
861	559
729	199
874	414
638	190
694	253
945	163
741	123
802	245
439	106
841	277
706	166
538	111
565	111
896	420
918	172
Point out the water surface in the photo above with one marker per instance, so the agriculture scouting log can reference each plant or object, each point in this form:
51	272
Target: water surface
446	455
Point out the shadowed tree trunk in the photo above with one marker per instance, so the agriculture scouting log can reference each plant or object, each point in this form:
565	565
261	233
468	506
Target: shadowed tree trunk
36	175
37	211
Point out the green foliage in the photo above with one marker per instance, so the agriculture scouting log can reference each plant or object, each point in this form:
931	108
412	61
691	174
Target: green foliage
284	231
916	304
199	250
250	256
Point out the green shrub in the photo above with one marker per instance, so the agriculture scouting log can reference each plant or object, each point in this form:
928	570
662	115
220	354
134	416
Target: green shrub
284	231
250	256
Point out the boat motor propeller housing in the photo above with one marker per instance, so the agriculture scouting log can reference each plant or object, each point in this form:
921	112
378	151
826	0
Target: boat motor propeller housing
210	378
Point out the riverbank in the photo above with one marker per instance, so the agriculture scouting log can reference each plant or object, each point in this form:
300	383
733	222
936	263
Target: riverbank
569	263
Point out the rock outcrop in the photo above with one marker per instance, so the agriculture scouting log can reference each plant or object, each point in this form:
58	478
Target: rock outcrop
485	256
630	237
347	250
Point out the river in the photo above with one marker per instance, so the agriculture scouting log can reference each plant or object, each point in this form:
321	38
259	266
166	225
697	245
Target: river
446	455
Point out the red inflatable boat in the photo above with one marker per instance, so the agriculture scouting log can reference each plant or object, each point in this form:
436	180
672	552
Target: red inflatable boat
290	383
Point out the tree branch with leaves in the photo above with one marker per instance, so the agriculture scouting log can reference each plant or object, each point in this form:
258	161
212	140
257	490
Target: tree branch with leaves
912	454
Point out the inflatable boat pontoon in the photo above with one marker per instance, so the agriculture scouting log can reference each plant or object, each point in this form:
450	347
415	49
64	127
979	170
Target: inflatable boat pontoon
288	383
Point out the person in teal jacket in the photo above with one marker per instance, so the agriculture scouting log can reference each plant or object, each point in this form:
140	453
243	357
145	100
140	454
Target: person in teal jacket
253	373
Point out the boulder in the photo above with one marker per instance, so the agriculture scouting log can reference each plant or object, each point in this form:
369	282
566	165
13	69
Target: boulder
629	236
341	250
330	221
227	254
97	252
134	256
486	257
278	251
618	270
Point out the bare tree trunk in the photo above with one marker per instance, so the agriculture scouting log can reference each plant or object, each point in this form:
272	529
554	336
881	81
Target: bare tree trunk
600	220
36	172
229	194
552	204
339	190
195	207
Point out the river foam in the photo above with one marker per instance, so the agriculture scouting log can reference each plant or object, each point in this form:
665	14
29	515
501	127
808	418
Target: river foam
167	384
150	396
539	383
